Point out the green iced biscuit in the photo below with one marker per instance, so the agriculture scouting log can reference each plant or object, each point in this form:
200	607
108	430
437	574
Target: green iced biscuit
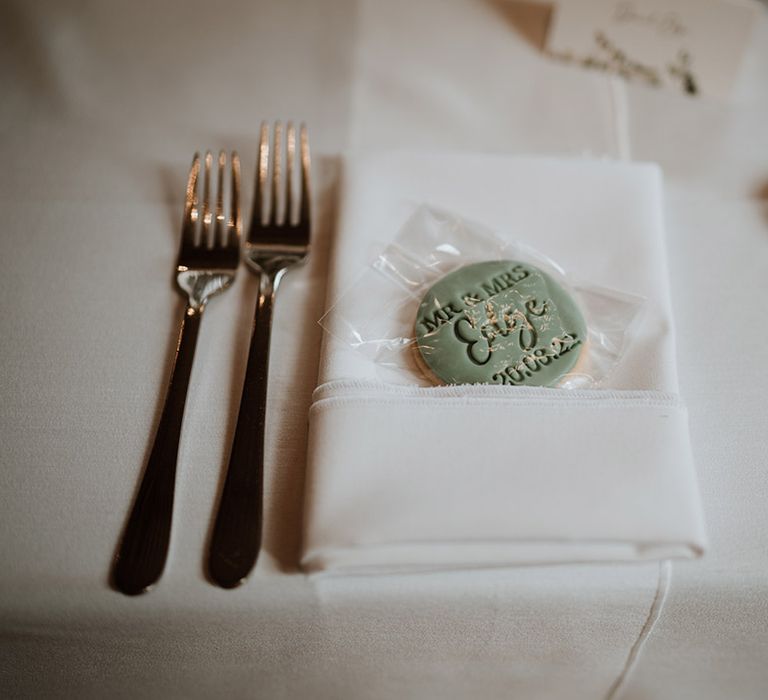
499	322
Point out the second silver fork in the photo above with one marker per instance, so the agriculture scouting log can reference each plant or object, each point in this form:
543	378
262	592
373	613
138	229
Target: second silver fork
274	243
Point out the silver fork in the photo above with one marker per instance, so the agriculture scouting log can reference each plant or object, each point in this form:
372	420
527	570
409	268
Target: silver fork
274	244
208	257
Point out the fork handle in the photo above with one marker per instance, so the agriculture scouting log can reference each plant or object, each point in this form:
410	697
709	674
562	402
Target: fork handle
144	546
236	537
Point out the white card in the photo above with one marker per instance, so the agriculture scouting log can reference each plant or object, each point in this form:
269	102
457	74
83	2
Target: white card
692	46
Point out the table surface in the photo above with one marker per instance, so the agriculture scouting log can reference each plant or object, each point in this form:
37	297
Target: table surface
103	106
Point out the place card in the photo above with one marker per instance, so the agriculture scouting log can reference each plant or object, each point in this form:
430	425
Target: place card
692	46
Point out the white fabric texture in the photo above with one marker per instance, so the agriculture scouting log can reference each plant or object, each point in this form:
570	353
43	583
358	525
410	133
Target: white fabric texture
103	106
490	476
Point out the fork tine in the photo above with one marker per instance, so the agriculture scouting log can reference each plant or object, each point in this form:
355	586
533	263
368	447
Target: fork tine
190	204
305	165
218	228
289	161
205	234
234	222
277	158
257	211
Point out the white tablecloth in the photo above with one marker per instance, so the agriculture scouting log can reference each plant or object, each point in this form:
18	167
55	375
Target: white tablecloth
103	106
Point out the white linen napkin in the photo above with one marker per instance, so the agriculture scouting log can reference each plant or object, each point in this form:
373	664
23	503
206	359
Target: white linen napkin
405	477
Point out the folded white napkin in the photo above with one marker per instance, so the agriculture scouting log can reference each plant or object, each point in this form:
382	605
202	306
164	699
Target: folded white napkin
406	477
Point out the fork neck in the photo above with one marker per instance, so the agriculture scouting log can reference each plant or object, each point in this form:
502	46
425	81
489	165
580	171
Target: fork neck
270	272
270	280
199	286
